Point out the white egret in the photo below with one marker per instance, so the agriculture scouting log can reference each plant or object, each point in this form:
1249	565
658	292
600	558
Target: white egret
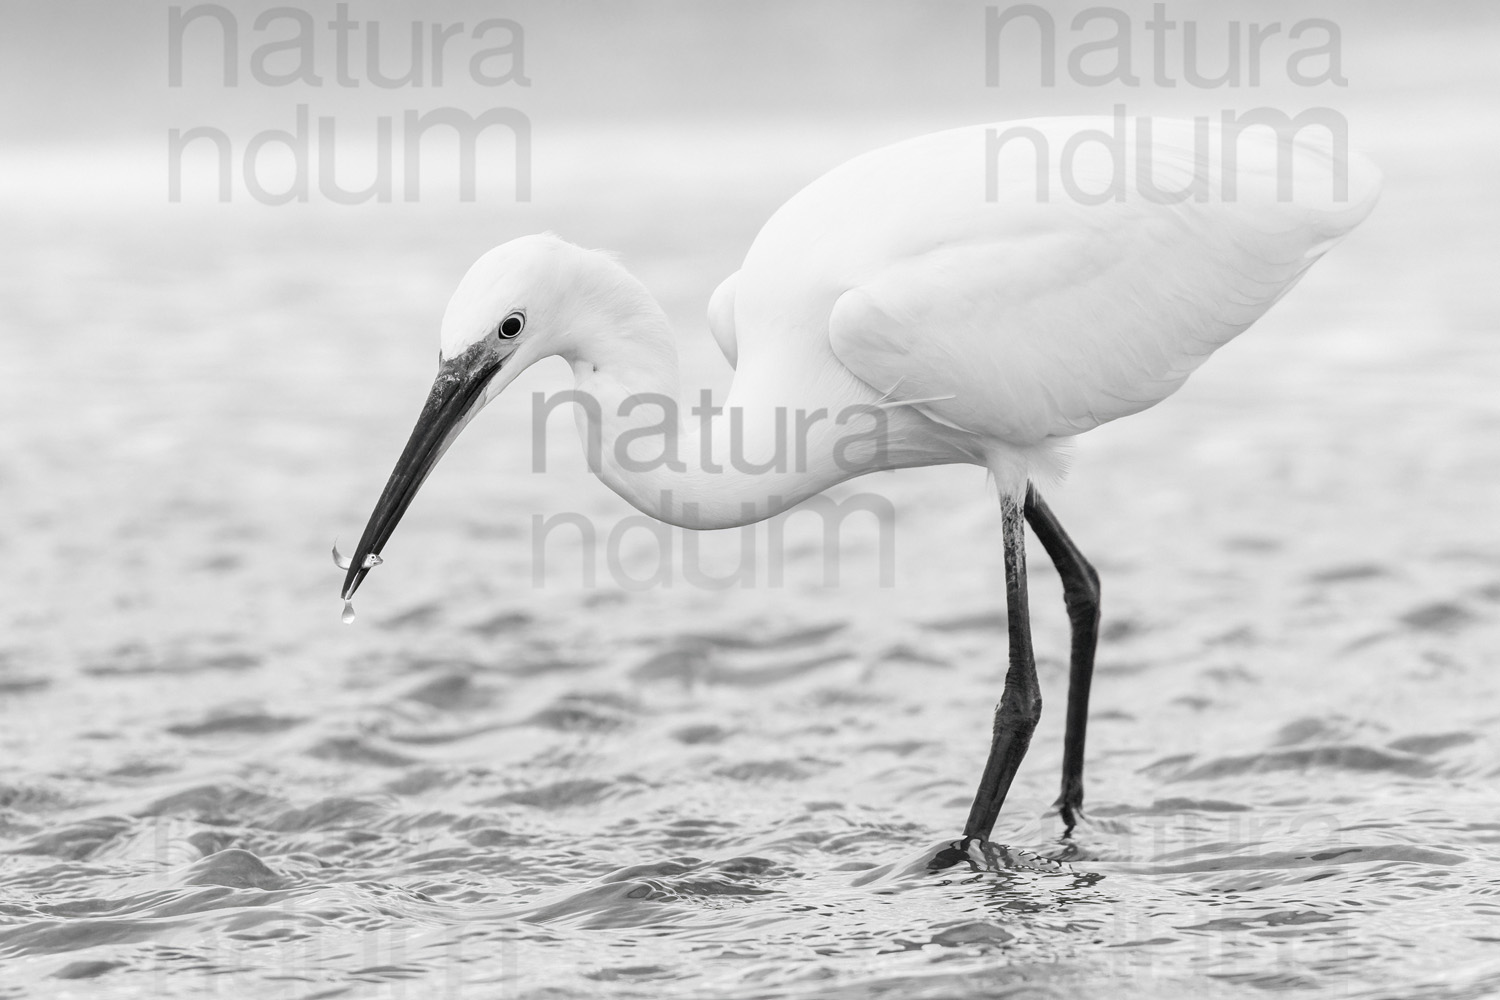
978	295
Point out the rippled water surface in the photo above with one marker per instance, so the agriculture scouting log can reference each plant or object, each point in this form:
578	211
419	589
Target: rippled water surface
506	781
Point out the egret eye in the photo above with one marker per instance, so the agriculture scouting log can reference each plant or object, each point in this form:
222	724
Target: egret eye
510	326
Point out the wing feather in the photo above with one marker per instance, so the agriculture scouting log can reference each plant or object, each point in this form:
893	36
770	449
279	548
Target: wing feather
721	318
1043	318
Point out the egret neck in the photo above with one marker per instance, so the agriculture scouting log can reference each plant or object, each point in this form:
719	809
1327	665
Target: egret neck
697	465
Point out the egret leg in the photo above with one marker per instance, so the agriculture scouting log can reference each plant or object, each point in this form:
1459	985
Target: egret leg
1081	594
1021	703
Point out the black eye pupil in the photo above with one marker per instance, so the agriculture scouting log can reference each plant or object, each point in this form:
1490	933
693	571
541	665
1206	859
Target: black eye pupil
510	326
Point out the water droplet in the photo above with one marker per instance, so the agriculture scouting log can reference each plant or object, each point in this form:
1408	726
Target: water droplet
339	560
348	615
372	560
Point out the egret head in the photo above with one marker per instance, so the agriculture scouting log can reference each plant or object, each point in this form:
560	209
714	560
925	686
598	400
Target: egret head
531	298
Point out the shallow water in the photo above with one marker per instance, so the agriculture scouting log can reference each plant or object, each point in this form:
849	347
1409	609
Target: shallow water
504	781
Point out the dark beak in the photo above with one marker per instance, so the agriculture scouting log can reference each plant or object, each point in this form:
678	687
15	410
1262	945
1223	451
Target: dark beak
452	402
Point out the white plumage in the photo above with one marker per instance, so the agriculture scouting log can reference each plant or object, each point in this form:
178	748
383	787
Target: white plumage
1034	318
979	295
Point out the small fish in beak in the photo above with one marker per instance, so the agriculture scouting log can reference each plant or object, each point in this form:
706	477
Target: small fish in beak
344	562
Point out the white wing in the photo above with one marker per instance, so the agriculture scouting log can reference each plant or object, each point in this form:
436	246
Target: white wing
1040	314
721	317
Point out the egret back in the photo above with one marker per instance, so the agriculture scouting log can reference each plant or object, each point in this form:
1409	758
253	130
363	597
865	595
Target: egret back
1037	286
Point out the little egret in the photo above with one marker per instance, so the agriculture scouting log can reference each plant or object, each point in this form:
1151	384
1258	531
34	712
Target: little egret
979	295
